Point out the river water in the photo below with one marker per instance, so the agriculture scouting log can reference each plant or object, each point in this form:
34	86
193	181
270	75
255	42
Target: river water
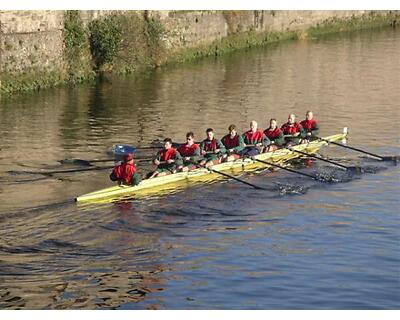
301	245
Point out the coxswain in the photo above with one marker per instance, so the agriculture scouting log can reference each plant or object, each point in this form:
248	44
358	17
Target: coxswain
255	141
190	153
211	149
125	173
275	136
233	143
310	127
167	160
293	132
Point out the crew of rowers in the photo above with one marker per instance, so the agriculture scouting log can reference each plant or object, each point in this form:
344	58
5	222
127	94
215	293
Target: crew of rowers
211	151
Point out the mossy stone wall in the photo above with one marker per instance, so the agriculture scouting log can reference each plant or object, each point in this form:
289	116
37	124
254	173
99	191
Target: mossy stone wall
39	49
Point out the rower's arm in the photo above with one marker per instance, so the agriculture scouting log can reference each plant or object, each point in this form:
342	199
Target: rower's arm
240	147
135	180
113	176
178	158
265	141
280	140
315	131
158	157
196	155
201	146
303	132
244	140
221	146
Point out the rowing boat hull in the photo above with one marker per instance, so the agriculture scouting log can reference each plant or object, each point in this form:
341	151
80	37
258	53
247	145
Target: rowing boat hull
157	185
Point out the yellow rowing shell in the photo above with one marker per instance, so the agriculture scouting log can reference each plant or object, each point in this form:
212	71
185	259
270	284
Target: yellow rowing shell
170	182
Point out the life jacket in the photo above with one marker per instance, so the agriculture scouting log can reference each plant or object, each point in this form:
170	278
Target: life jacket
272	134
251	137
210	145
167	154
288	128
308	125
186	150
124	172
229	142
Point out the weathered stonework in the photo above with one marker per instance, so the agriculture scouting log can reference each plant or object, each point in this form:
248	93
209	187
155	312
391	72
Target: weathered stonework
193	28
31	39
33	53
31	42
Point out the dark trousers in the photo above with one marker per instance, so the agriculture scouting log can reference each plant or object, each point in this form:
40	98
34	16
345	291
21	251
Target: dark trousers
249	152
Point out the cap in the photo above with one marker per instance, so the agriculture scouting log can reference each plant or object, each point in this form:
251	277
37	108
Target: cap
128	157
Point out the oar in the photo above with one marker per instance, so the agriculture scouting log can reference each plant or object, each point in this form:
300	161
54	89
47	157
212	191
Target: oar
287	169
88	162
232	177
50	172
291	136
352	168
382	158
83	162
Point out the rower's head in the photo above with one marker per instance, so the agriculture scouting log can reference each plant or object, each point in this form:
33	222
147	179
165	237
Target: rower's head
291	118
190	137
273	124
210	133
253	125
167	143
232	130
128	158
309	115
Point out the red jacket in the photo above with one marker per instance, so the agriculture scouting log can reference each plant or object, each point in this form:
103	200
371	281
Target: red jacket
187	151
272	134
167	154
288	128
309	125
124	172
251	137
210	145
230	143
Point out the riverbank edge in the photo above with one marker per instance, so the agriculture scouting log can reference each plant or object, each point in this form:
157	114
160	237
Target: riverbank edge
86	70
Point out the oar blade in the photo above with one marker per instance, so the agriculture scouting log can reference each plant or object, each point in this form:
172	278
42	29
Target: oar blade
75	161
391	158
355	169
119	150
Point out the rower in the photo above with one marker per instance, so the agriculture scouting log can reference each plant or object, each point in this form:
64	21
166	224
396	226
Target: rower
275	136
190	153
254	140
211	149
167	160
310	127
233	143
292	131
125	173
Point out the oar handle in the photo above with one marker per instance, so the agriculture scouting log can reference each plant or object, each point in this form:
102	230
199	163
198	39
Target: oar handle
163	162
352	148
291	136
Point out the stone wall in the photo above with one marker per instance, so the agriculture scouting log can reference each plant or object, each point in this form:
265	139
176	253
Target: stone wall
32	46
190	29
31	40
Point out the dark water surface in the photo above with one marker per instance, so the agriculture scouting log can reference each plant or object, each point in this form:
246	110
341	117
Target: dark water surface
219	245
